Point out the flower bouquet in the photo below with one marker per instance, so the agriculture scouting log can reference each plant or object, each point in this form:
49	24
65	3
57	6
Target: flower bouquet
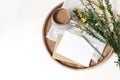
101	23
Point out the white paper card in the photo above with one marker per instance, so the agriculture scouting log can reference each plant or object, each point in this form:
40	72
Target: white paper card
75	48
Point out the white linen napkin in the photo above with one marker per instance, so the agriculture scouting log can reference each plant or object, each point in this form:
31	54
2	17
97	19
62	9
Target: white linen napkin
55	30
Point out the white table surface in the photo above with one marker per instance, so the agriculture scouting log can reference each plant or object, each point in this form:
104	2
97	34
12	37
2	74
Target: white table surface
22	52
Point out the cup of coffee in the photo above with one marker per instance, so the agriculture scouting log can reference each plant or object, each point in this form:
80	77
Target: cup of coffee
62	16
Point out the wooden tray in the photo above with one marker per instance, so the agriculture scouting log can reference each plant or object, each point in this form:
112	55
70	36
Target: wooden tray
51	44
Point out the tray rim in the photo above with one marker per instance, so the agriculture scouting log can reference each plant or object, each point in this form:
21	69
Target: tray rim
48	51
43	27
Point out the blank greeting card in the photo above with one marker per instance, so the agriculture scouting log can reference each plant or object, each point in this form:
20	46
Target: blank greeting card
75	48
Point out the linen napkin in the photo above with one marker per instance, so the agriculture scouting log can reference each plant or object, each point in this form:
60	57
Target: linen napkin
55	30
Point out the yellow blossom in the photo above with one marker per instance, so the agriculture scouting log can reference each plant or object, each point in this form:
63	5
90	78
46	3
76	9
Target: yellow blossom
83	20
104	30
98	8
113	52
87	25
106	10
103	20
99	15
96	24
79	32
77	9
86	4
80	15
110	16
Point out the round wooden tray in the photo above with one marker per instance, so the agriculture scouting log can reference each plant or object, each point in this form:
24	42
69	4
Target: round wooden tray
51	44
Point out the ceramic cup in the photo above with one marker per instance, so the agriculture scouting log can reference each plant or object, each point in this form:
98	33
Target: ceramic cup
62	16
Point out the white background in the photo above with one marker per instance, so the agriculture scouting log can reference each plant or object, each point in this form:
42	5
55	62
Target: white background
22	53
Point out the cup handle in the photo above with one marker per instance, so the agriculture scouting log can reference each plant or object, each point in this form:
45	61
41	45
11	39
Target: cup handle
73	23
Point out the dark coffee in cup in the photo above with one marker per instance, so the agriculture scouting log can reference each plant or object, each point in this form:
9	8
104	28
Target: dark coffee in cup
61	16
